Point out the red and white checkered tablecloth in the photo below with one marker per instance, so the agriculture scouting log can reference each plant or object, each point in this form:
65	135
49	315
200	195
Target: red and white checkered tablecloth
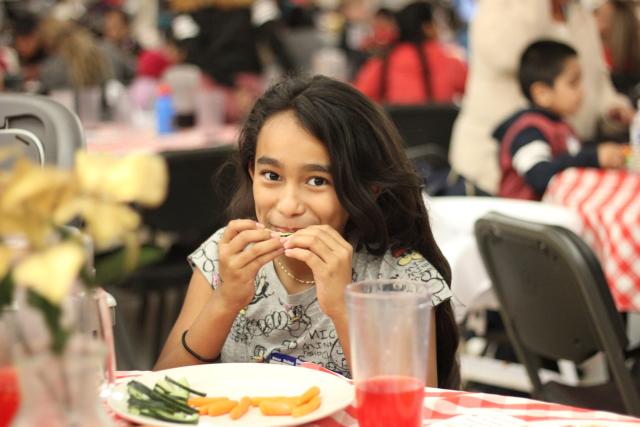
441	405
608	202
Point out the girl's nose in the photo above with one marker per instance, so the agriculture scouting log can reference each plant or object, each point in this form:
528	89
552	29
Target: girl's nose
291	203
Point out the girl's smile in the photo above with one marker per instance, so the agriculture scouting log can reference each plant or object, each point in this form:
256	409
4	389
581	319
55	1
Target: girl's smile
292	183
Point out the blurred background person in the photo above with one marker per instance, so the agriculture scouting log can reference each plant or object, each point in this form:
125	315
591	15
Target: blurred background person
384	32
500	31
28	44
355	30
119	44
620	33
418	67
74	58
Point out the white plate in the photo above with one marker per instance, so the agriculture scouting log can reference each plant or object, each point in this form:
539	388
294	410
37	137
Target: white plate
579	423
235	380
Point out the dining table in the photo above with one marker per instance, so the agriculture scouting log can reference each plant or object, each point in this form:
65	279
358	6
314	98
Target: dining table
455	408
117	138
607	202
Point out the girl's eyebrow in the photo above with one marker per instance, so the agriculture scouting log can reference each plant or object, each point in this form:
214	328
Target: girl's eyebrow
311	167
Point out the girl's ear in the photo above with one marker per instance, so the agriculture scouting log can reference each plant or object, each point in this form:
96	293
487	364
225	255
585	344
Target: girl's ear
376	190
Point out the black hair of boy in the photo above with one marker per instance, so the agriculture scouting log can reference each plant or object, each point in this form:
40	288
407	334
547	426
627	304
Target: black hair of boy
543	61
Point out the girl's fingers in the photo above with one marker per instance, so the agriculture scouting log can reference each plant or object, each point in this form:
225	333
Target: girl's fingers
337	237
240	242
314	262
315	243
258	255
262	260
236	226
328	234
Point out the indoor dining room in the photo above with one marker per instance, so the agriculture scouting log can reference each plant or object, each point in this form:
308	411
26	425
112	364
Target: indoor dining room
374	213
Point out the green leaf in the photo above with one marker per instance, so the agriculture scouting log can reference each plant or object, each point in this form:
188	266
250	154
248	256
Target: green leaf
110	267
52	316
6	290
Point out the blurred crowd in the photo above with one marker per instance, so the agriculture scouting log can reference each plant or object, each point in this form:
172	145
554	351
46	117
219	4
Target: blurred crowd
462	52
236	47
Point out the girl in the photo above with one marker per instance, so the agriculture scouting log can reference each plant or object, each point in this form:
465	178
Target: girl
319	160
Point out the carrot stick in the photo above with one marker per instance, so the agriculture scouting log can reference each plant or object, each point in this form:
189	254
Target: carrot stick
275	407
307	408
256	400
307	395
200	401
241	408
221	407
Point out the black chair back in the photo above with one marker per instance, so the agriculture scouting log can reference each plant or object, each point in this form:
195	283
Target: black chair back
554	301
200	188
424	123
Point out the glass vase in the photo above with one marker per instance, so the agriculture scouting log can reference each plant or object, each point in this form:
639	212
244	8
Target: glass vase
9	394
60	388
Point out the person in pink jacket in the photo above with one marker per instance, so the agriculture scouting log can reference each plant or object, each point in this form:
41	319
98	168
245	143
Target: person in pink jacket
418	68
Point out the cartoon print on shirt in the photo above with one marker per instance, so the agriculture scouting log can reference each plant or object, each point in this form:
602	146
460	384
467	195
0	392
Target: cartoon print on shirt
262	288
259	353
292	319
420	271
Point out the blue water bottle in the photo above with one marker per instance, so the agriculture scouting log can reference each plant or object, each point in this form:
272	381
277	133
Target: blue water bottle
164	110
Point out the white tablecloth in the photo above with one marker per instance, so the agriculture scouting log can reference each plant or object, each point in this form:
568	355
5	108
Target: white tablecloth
452	222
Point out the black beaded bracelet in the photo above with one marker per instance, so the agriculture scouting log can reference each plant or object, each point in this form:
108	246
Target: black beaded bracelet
193	353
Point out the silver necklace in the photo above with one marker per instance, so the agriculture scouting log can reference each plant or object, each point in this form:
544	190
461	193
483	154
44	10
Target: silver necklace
284	269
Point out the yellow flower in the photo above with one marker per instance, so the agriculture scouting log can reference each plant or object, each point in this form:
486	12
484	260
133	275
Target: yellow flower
34	187
29	195
108	223
52	271
140	178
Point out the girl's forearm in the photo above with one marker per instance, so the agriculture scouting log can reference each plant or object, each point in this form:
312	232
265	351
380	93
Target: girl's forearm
206	335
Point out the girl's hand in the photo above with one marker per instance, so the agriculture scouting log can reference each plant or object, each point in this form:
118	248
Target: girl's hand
245	247
329	257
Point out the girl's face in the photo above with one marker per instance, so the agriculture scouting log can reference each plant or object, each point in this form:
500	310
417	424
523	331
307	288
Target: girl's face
292	185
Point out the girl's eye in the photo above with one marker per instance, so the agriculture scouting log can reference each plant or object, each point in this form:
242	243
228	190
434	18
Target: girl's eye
271	176
317	181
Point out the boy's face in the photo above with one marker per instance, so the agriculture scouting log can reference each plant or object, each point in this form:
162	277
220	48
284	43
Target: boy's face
292	185
565	96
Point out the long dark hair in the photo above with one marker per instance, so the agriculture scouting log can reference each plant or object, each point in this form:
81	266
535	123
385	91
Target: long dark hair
410	21
373	178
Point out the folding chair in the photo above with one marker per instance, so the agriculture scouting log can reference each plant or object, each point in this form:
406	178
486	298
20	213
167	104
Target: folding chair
45	130
555	303
424	123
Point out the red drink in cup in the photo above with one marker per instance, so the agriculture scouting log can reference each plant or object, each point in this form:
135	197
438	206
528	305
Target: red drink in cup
9	396
390	401
389	337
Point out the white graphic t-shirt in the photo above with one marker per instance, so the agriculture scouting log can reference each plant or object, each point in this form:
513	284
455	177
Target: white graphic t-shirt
277	325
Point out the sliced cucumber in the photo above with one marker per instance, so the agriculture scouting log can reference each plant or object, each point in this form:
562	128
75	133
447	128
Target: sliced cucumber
182	383
172	390
166	401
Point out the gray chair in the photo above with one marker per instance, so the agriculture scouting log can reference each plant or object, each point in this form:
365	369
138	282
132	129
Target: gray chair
45	130
555	304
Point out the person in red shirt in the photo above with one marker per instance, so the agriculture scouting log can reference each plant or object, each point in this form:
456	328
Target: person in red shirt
418	68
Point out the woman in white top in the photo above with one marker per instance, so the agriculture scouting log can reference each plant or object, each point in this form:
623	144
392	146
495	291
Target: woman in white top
499	33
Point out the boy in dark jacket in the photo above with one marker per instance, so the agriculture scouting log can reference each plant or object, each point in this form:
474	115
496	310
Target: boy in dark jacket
536	143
